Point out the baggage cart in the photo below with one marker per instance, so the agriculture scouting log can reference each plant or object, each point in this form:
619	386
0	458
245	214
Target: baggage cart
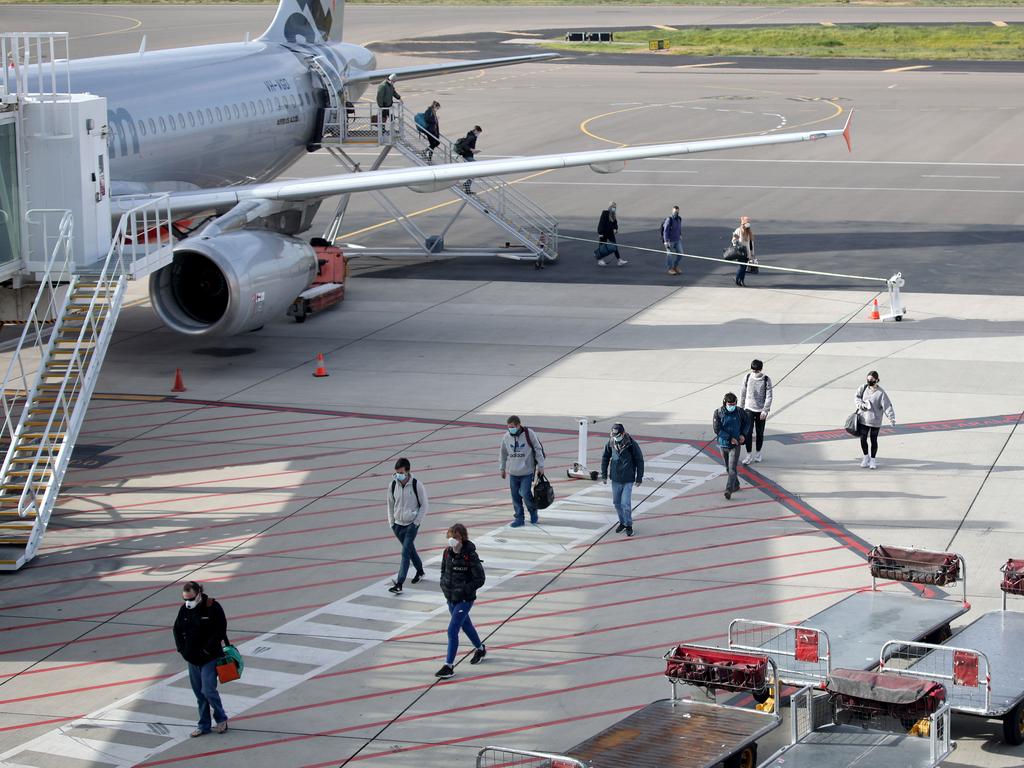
328	287
832	729
676	732
849	633
981	666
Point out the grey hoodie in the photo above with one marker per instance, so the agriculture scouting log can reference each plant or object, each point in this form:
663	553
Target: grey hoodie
872	404
756	394
517	457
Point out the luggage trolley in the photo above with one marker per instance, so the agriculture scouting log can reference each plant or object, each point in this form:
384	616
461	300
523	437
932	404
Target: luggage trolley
849	633
863	723
980	665
676	732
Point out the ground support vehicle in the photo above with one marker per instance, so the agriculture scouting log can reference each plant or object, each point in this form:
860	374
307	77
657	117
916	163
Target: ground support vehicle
676	732
849	633
982	665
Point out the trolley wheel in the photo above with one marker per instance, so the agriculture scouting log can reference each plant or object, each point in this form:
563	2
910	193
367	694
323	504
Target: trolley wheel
762	695
745	758
1013	725
300	318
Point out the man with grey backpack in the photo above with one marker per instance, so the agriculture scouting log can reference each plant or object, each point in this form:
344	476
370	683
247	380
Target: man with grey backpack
756	400
407	506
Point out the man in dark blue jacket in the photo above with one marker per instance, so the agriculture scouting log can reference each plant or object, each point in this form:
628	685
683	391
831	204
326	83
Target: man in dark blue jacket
623	457
730	423
672	236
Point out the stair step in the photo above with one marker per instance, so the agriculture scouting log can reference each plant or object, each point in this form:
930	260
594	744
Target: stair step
41	435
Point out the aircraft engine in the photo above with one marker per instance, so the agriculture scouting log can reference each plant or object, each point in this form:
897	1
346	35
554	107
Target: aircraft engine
231	282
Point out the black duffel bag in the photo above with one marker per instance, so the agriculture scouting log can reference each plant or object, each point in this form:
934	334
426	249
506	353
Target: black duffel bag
543	493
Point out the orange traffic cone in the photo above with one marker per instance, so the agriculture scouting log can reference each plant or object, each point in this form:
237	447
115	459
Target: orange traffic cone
874	312
179	383
321	369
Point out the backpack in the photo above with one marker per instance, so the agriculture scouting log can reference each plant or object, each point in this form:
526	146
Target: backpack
421	121
415	491
460	147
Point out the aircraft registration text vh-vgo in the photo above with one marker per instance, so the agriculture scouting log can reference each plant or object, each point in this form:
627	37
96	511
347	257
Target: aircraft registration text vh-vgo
213	126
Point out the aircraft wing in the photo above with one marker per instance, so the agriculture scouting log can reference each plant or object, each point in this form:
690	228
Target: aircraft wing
439	176
447	68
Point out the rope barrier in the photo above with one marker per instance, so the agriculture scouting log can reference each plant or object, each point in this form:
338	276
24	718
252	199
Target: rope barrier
759	265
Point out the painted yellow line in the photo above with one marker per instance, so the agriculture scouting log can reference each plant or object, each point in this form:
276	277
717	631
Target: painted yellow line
665	27
518	34
828	23
999	23
707	64
908	69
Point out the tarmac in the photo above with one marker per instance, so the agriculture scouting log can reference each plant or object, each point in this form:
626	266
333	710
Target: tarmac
267	484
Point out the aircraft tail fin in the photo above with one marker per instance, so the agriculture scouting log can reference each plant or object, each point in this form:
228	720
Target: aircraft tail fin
307	21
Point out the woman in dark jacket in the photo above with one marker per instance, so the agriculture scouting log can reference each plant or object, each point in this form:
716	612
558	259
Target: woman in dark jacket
607	226
462	574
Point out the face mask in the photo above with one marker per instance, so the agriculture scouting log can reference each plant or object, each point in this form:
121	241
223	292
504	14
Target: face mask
612	210
730	408
757	374
453	543
617	438
871	382
190	604
400	476
513	431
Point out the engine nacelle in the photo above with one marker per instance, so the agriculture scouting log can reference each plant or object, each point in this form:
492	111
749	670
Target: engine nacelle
232	282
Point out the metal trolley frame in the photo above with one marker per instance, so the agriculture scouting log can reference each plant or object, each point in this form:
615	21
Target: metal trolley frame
678	732
822	742
848	633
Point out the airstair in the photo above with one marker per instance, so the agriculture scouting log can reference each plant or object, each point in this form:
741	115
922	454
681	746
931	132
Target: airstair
519	219
54	368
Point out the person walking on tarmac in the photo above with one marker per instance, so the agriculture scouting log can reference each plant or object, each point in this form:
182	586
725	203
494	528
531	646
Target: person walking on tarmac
730	424
672	237
200	633
520	457
746	238
756	400
407	506
386	97
623	461
607	226
462	574
872	402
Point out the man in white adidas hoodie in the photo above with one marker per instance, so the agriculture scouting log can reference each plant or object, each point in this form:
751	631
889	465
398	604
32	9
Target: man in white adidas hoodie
407	506
520	457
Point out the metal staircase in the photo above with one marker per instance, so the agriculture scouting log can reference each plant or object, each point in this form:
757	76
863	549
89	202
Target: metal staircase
514	213
56	364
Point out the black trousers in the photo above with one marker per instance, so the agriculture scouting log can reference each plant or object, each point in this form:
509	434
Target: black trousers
864	431
756	426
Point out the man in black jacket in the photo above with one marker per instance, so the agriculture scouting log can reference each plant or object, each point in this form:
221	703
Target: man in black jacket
200	632
624	461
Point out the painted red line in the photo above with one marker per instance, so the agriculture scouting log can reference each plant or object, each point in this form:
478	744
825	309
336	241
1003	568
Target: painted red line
39	723
90	420
192	433
83	689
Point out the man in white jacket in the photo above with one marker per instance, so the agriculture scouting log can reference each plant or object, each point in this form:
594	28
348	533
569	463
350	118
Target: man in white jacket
407	506
520	457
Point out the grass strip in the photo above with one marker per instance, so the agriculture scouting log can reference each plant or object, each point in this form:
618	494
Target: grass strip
855	41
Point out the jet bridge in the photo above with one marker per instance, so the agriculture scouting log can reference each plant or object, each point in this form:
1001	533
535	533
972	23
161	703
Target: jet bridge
63	275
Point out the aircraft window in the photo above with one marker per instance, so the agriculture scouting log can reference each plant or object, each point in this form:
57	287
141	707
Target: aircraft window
191	119
220	116
152	126
202	120
209	116
142	127
245	109
277	102
263	107
234	109
181	121
163	125
252	108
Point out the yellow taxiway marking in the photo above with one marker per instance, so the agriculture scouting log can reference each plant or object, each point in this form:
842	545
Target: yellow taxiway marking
665	27
908	69
706	64
828	23
518	34
999	23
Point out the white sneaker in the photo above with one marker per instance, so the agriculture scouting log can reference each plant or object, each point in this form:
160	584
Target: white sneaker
757	457
872	465
865	461
602	263
623	262
748	458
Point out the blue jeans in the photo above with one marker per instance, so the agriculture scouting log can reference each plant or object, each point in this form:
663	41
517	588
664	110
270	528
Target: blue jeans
741	272
622	498
521	487
673	254
407	535
204	686
460	621
731	457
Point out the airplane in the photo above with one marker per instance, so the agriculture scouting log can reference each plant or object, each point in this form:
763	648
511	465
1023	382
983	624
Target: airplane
213	126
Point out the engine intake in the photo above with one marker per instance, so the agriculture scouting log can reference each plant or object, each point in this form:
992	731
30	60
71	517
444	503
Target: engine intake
232	282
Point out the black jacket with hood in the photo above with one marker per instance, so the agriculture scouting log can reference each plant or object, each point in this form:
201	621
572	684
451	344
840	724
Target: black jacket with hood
198	631
462	573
